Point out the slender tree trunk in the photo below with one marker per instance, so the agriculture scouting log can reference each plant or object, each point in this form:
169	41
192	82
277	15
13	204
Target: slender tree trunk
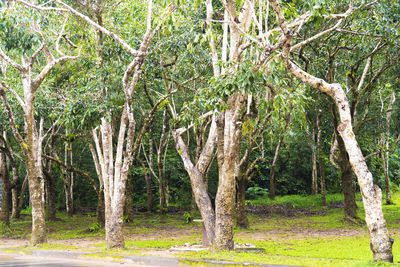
314	178
14	203
386	154
148	180
50	195
68	183
163	187
276	155
6	190
129	208
100	211
21	198
15	179
241	217
321	159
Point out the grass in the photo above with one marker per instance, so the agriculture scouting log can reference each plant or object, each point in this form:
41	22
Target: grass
300	201
321	238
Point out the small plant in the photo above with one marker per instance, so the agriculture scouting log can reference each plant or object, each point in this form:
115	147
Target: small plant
126	219
27	210
94	228
4	229
256	192
188	217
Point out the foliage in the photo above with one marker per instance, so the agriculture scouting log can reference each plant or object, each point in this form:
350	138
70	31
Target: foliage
94	228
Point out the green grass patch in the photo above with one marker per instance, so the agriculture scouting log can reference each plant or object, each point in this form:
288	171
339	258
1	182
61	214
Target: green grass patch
300	201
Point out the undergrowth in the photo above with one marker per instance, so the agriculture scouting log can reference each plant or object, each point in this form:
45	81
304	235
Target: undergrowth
320	237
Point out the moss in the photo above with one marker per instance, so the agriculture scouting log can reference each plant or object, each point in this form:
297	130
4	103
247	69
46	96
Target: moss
18	251
46	246
112	258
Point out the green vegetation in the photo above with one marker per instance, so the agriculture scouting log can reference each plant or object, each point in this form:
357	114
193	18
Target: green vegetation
315	236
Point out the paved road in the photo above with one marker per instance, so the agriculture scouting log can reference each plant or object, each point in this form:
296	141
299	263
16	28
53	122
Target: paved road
53	258
62	260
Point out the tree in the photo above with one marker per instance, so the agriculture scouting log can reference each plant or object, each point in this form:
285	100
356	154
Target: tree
31	143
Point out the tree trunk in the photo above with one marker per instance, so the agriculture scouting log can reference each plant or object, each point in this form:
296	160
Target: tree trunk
321	159
68	182
276	155
36	192
148	180
196	173
348	183
241	217
314	178
381	243
229	137
6	190
100	211
17	213
129	208
114	223
15	179
386	153
161	191
50	195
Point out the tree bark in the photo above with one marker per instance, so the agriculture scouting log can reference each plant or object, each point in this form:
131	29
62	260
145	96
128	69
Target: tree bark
230	129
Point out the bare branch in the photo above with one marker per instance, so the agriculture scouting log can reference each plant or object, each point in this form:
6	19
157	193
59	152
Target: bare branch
358	33
84	175
42	7
317	36
19	99
102	29
11	62
39	79
10	114
182	130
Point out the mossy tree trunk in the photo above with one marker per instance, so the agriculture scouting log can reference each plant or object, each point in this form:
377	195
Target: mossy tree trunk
380	242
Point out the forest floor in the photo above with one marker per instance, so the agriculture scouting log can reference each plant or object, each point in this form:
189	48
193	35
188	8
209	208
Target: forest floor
291	234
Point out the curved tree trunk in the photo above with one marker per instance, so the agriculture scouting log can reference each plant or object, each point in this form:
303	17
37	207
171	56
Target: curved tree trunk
381	243
196	173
